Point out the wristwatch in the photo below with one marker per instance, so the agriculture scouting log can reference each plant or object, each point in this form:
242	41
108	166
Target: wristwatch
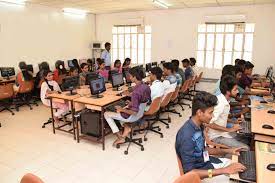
210	173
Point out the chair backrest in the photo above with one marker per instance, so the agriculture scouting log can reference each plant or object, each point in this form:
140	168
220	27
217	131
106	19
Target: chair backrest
193	82
185	86
199	77
166	99
26	87
140	113
210	143
6	91
175	94
190	177
154	107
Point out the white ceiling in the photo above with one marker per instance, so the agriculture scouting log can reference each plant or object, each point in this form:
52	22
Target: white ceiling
110	6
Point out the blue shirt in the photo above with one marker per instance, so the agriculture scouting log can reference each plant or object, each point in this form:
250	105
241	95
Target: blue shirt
190	146
188	72
106	55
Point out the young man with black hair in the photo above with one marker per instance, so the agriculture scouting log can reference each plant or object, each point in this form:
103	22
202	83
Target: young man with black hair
226	70
179	70
188	70
193	66
134	111
106	55
190	143
170	81
156	87
218	132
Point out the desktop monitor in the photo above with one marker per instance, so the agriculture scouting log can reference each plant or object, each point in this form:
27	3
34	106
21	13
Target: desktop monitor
148	67
154	64
97	86
127	77
111	72
30	67
6	72
91	76
70	83
70	63
117	80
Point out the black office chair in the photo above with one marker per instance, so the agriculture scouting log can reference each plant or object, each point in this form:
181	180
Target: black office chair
6	96
24	95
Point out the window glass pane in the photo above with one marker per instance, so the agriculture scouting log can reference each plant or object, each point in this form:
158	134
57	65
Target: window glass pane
202	28
239	27
121	54
127	53
147	40
229	27
120	41
134	29
227	58
114	55
127	40
249	27
114	45
238	42
247	56
210	42
134	40
236	55
220	28
140	40
134	56
219	42
114	30
201	41
127	29
147	55
148	29
248	45
218	60
209	59
140	56
228	42
210	28
200	58
120	30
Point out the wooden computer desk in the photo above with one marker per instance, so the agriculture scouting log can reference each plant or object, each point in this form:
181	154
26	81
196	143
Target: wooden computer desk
97	104
5	81
260	117
264	138
62	98
263	159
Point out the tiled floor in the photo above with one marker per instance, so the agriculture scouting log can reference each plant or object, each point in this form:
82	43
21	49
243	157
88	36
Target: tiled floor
26	147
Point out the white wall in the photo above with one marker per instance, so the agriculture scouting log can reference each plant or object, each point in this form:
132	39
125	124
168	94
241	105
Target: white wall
36	33
174	32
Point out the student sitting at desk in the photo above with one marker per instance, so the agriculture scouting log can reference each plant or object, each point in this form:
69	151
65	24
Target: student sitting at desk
50	86
195	69
82	76
117	66
218	132
157	89
60	72
170	81
22	76
188	70
190	143
178	76
102	71
73	71
140	96
179	70
126	64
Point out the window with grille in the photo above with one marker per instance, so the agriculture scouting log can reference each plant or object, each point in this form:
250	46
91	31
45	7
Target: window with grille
220	44
133	42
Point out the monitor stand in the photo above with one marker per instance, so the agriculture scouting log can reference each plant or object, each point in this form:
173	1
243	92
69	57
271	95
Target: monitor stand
117	89
97	96
8	77
71	93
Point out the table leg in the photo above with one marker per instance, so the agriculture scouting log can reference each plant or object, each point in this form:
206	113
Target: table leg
102	128
51	102
73	118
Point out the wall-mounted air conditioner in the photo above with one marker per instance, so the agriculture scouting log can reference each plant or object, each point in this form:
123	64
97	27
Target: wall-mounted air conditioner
225	18
97	45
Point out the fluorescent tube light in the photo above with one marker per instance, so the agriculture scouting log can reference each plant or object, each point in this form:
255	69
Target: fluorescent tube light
17	2
75	11
160	3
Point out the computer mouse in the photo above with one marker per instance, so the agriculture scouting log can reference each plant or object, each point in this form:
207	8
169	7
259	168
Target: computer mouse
119	94
59	92
271	167
271	112
263	102
267	127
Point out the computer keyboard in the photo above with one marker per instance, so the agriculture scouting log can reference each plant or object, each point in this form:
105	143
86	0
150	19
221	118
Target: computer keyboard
246	127
247	158
121	103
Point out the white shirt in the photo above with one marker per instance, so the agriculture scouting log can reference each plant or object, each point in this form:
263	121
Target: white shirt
157	89
107	57
167	86
45	88
196	70
220	116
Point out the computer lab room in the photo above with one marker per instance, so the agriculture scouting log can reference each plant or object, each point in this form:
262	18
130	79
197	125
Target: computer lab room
144	91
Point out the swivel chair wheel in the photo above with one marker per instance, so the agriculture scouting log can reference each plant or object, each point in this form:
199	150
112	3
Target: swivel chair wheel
140	140
189	107
43	126
117	146
180	115
159	129
161	136
142	148
167	126
169	120
0	125
134	133
145	139
17	109
125	152
36	104
31	108
12	113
